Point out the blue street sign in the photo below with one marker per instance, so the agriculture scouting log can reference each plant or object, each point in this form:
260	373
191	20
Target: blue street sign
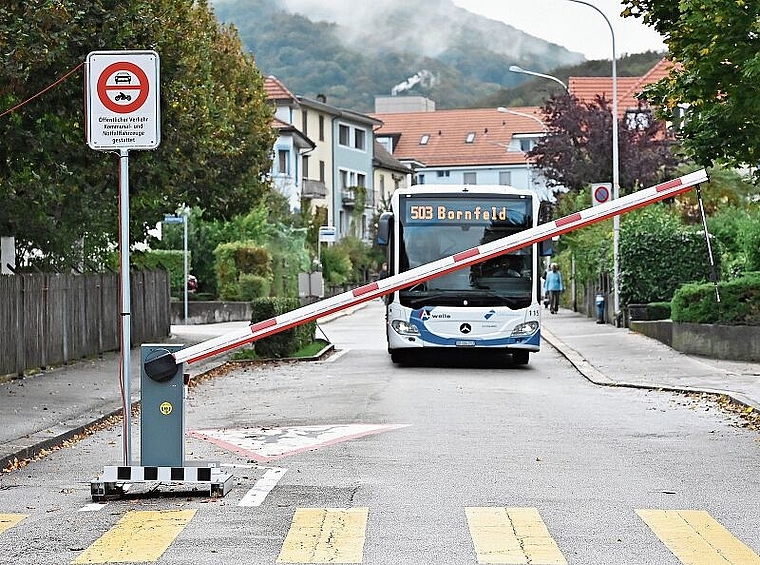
168	219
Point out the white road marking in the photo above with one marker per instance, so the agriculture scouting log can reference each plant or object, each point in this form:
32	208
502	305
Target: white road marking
92	507
336	356
263	487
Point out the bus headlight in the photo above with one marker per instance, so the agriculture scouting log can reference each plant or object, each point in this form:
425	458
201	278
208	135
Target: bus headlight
404	328
525	329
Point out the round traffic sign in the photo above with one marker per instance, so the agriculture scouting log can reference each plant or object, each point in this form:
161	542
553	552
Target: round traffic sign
123	87
601	194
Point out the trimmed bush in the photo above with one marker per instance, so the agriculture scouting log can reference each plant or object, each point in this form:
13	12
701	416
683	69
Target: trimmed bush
739	305
658	310
252	287
237	258
658	254
284	343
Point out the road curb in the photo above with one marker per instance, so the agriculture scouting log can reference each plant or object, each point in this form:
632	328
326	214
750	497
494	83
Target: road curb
595	376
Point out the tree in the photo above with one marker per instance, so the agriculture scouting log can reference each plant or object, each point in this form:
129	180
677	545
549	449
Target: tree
578	149
60	197
715	46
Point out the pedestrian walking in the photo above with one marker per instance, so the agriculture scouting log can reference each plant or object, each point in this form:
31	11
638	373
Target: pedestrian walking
554	286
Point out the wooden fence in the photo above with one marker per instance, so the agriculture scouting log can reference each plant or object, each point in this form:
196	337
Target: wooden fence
50	319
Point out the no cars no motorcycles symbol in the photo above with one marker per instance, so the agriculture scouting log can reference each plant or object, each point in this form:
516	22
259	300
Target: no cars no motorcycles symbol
123	87
122	100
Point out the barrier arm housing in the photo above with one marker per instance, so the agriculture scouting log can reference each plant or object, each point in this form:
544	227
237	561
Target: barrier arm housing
167	364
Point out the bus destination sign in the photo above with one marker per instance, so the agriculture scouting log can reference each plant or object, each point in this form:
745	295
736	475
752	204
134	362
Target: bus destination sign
464	211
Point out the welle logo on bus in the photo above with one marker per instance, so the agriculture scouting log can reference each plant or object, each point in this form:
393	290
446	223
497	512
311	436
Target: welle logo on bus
466	211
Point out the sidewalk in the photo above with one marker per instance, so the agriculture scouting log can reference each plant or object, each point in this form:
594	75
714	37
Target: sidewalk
612	356
44	410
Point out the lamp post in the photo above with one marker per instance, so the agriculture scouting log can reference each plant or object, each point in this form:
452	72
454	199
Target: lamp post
505	110
615	169
518	69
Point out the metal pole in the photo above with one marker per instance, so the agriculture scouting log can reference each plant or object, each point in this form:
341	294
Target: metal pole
184	223
125	318
518	69
615	170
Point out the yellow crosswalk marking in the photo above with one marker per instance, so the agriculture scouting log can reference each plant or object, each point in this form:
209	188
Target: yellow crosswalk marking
513	536
137	537
325	535
695	538
7	521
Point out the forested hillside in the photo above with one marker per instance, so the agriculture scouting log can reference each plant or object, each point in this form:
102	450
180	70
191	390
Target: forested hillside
458	57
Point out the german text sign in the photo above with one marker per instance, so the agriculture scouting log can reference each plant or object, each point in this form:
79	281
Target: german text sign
122	100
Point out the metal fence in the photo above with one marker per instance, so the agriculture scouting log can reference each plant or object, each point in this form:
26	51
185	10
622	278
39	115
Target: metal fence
50	319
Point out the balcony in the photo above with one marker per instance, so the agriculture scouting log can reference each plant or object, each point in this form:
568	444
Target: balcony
348	197
313	189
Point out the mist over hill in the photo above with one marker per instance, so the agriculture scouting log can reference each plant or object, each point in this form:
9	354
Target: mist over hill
352	51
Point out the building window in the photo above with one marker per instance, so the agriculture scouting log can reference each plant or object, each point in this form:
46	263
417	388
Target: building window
505	177
386	142
344	135
443	174
343	180
526	144
470	137
283	160
361	180
420	179
305	122
360	139
424	139
470	178
305	165
321	128
322	171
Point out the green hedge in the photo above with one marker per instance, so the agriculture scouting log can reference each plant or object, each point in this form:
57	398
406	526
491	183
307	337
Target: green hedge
658	254
169	259
739	305
284	343
236	258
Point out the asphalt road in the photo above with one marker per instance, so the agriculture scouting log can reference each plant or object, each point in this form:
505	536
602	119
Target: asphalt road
411	458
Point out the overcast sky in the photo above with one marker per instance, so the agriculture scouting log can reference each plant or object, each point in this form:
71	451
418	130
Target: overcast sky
575	26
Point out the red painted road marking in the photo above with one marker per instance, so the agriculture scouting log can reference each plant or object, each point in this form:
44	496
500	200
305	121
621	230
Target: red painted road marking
267	444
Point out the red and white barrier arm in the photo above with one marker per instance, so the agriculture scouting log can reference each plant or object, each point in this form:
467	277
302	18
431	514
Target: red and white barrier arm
425	272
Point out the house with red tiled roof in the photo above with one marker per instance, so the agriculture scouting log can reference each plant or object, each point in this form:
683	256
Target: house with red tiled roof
586	89
464	146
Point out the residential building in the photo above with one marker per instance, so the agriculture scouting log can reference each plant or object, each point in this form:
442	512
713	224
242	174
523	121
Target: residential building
323	157
390	175
635	111
465	146
287	174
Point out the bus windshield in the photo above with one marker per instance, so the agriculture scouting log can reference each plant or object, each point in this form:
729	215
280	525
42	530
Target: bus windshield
432	227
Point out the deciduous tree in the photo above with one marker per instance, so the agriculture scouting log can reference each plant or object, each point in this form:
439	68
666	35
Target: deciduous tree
578	149
58	196
716	45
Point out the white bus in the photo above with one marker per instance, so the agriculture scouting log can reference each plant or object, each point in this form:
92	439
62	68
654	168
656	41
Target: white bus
493	305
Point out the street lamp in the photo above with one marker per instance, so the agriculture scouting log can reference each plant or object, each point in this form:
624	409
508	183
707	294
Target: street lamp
504	110
518	69
615	168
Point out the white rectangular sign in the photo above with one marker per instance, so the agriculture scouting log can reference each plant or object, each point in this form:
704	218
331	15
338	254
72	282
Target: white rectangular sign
327	234
122	100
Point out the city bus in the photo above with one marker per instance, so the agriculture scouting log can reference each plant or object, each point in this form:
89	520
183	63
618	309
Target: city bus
491	306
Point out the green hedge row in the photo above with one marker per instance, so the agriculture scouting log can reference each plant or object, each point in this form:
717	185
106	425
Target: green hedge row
739	302
284	343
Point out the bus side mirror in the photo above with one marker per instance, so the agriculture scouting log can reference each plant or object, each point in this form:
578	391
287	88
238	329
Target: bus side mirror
384	225
546	248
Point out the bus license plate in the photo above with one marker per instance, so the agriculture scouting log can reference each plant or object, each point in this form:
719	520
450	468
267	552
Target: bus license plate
465	343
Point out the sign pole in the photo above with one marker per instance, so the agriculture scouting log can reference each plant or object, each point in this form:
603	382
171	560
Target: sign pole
184	223
126	321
